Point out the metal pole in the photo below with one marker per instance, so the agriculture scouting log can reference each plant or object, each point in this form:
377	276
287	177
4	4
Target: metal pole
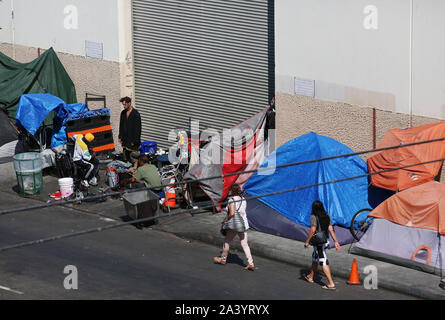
374	129
410	98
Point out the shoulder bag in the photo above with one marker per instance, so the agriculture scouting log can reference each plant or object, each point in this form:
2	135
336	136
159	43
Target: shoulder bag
237	222
319	236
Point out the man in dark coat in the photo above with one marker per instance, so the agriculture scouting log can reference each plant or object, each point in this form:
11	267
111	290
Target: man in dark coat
129	129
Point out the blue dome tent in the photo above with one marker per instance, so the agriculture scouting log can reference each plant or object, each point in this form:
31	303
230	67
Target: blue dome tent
288	214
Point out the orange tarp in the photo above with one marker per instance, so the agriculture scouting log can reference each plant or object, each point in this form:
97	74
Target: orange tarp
422	206
404	178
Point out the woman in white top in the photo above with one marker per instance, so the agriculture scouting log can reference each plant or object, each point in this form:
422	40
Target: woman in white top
236	204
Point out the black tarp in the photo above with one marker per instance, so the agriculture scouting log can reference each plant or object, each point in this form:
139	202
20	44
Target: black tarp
8	133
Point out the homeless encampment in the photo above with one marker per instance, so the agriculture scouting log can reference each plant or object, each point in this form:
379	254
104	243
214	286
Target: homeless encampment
288	214
44	74
32	111
68	120
239	148
409	229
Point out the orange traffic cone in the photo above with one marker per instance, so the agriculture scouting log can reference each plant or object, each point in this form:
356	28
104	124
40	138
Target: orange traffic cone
353	278
170	195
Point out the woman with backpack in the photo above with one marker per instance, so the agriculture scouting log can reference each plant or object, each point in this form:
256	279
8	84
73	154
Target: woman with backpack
236	224
318	237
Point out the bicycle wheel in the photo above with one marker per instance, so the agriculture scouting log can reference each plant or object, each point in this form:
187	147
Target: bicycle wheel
360	223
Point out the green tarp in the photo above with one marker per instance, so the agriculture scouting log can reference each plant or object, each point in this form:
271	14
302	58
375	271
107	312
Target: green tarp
45	74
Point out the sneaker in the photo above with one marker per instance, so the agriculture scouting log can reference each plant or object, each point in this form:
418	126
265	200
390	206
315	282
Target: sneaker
93	181
219	260
56	194
84	183
250	267
72	196
79	195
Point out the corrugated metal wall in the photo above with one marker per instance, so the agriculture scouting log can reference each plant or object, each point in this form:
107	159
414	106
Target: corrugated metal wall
211	61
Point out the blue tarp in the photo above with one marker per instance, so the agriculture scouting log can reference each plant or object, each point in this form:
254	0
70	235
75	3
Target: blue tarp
265	219
341	200
33	109
87	114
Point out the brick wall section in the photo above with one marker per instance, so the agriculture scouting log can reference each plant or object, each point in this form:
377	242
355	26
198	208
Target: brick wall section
352	125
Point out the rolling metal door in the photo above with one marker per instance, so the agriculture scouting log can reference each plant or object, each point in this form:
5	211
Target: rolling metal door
208	60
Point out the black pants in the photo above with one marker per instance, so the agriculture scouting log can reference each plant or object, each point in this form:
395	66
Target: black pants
130	156
89	169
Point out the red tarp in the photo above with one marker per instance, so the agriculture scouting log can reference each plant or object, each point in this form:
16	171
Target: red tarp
239	148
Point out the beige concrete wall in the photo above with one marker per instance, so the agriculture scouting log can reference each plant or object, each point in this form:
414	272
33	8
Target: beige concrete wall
88	74
352	125
395	63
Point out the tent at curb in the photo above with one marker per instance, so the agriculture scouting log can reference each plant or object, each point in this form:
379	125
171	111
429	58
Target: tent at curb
44	74
34	109
288	214
9	133
409	229
8	138
399	180
240	148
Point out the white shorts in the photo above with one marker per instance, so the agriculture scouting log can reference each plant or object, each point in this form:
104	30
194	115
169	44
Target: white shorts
319	255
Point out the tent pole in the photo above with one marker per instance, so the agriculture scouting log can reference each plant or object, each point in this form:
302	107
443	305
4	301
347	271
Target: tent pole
374	136
440	255
410	97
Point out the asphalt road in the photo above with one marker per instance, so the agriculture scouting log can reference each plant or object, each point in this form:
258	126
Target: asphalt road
128	263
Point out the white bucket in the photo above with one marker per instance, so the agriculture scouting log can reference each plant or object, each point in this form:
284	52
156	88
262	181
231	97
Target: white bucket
66	187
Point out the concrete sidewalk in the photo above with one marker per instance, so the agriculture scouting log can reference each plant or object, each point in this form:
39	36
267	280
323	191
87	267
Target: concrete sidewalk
205	226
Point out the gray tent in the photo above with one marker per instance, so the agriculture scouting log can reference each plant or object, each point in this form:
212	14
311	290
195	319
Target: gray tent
8	138
409	229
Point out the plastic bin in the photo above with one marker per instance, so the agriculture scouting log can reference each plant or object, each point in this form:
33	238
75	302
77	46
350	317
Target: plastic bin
141	204
28	168
148	147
